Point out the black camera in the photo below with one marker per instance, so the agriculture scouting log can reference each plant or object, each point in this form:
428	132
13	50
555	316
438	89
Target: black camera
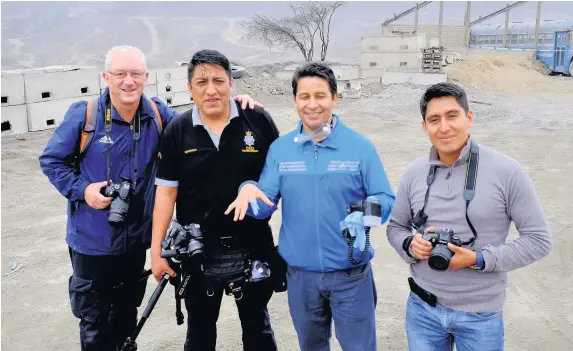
184	243
121	194
440	256
372	216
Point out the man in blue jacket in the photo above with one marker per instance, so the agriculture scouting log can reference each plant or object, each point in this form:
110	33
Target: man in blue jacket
108	233
319	169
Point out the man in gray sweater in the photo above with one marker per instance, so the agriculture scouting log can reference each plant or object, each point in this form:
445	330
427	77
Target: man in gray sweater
473	192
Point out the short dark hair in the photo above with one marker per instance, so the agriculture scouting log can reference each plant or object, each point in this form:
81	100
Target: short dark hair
208	56
315	69
444	89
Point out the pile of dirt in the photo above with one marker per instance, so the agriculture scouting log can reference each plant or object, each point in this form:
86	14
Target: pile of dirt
504	72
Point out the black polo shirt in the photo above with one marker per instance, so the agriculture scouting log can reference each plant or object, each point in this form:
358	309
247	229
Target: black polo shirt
208	178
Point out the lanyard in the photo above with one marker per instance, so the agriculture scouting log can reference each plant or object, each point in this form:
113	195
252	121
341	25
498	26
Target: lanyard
136	136
469	190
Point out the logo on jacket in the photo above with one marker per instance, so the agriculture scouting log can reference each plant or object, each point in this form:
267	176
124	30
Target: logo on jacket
105	140
249	142
351	166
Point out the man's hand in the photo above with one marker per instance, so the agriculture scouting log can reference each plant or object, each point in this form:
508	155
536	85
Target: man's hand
246	99
159	266
94	198
241	204
421	248
462	257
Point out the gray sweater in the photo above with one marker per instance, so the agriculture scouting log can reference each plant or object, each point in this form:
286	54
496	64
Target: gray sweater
503	193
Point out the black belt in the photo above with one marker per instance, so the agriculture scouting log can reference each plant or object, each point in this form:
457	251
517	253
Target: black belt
427	296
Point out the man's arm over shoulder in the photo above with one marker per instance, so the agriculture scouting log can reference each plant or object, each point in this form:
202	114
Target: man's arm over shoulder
399	226
55	160
534	240
376	182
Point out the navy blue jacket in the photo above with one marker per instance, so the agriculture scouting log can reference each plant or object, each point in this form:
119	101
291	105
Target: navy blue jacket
88	231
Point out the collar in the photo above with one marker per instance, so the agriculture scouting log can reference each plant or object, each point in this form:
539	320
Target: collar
464	155
331	140
144	107
196	116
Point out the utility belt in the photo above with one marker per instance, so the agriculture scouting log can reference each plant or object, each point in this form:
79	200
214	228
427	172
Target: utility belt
231	269
425	295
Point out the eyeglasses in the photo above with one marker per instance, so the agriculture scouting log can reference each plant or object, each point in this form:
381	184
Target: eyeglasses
137	75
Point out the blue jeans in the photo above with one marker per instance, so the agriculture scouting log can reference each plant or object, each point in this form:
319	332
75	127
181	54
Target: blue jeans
348	297
438	328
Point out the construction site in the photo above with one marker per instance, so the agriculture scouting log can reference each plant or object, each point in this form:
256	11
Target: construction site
521	106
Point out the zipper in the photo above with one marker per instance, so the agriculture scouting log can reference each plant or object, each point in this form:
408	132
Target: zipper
316	197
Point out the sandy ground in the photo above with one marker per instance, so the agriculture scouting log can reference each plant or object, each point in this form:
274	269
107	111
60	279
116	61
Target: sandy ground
539	311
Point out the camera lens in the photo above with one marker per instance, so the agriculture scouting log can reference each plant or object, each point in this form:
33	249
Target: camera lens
115	218
440	258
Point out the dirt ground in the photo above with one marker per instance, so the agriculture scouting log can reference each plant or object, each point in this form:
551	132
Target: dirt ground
536	130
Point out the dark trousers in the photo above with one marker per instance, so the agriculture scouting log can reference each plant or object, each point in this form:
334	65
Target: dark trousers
203	312
107	313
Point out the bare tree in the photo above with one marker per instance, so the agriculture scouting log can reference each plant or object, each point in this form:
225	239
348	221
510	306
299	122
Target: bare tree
323	12
298	30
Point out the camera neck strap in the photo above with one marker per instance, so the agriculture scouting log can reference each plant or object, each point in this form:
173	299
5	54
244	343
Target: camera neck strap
136	137
469	187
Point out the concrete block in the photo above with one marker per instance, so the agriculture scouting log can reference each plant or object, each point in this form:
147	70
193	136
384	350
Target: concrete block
395	43
13	92
168	74
52	86
373	74
150	90
173	86
176	99
49	114
14	120
416	78
369	60
345	72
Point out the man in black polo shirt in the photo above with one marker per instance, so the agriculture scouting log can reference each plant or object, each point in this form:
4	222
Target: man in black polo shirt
205	154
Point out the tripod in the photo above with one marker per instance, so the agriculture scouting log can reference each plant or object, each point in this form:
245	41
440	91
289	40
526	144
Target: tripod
130	344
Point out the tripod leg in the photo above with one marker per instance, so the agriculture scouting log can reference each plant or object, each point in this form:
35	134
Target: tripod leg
130	344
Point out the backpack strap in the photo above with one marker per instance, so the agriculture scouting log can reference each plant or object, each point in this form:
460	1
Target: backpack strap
157	117
89	127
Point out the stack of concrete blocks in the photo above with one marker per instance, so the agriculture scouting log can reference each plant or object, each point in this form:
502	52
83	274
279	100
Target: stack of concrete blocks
38	100
14	109
172	86
432	59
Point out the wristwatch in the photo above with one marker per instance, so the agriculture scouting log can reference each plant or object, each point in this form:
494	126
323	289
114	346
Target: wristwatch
480	263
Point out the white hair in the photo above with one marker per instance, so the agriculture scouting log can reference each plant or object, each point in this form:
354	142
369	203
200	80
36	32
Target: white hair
124	48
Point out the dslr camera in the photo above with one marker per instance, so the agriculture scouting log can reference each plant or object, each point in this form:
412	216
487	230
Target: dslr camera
121	194
440	255
184	243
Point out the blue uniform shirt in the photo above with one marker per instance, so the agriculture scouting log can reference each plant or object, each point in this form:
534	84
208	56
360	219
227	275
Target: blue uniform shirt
317	182
88	231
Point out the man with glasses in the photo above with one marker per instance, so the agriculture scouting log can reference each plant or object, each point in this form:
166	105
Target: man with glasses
108	232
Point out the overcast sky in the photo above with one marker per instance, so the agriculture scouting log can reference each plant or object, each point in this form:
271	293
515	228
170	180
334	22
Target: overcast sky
378	10
53	33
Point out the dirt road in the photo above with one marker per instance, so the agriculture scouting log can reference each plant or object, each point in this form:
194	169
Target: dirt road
539	311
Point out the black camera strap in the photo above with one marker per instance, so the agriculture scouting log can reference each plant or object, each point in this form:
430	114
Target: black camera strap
136	137
469	189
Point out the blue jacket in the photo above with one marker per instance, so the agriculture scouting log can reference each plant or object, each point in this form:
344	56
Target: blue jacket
317	183
88	231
